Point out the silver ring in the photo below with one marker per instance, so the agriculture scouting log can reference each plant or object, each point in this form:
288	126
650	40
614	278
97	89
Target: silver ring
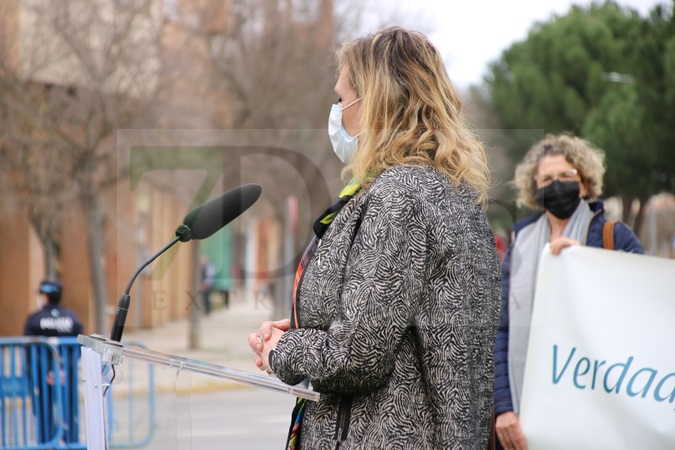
259	338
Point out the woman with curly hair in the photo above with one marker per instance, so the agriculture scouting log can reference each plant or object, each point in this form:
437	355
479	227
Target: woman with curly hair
397	298
562	175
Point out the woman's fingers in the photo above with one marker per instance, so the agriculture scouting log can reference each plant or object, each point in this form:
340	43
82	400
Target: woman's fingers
510	432
283	325
519	442
504	437
255	342
265	339
559	244
267	328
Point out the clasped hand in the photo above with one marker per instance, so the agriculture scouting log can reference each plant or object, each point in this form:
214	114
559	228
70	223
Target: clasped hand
266	339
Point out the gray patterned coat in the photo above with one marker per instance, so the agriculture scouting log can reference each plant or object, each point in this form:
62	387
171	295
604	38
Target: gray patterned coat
399	307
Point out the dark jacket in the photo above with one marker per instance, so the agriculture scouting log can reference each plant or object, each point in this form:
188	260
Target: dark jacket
624	240
53	321
398	309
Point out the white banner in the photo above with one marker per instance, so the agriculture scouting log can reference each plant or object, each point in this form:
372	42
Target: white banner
600	370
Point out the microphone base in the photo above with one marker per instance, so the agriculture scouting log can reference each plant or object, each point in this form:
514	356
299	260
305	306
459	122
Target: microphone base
120	318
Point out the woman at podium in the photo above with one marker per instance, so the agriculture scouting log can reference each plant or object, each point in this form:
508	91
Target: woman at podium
396	303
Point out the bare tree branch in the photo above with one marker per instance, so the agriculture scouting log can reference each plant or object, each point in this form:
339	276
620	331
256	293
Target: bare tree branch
87	69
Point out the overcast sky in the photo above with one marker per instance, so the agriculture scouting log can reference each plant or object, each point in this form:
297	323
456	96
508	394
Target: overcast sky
471	33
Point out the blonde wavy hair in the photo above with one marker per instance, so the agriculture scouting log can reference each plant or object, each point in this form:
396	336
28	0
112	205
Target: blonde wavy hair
587	159
410	113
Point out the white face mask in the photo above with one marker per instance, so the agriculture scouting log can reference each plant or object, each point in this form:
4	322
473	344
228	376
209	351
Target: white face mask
344	145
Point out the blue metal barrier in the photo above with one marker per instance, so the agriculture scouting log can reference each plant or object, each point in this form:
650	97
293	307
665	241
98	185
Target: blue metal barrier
38	393
40	404
69	351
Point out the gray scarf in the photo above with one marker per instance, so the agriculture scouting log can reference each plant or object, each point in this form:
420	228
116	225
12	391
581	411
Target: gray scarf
527	250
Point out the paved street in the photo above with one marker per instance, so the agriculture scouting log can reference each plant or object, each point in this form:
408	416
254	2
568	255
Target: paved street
242	418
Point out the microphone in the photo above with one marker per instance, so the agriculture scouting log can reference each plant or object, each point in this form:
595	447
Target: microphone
200	223
210	217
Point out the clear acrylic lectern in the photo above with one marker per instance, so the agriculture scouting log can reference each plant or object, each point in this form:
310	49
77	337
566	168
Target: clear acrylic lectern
107	363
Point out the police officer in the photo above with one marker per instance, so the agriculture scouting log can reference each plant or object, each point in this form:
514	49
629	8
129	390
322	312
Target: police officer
52	319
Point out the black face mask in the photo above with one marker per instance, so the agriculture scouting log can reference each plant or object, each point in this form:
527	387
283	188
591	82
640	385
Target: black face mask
559	198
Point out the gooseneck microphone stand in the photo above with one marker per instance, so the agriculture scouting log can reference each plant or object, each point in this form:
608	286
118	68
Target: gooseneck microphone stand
183	234
200	223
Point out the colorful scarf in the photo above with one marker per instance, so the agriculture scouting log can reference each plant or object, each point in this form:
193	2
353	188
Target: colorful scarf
320	227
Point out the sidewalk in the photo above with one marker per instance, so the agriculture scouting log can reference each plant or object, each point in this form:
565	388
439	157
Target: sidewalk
223	341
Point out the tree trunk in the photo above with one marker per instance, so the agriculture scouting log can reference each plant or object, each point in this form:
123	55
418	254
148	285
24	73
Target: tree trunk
95	247
50	252
195	299
51	256
639	217
49	246
627	206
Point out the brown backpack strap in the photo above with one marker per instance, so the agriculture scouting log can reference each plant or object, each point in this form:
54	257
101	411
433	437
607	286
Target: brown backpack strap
608	235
